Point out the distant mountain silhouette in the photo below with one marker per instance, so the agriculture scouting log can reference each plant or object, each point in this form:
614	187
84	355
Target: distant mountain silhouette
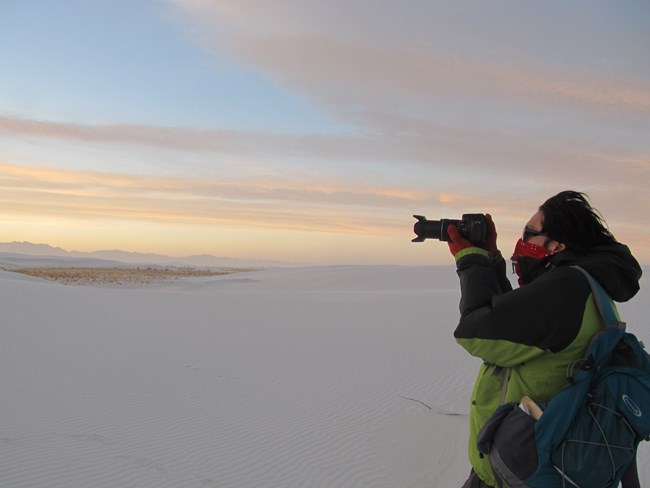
202	260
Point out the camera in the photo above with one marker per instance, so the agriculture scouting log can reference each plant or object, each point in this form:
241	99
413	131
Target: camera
472	227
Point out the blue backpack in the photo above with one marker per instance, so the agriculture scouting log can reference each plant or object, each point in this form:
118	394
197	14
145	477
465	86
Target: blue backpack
588	433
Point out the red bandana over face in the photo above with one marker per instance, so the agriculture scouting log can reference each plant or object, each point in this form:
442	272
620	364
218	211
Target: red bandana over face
524	256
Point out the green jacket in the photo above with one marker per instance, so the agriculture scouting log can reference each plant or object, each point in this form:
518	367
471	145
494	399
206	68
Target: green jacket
529	336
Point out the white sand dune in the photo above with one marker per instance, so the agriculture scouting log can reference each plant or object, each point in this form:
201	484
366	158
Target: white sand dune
307	377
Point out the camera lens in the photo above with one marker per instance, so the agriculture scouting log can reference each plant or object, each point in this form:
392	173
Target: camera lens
471	227
427	229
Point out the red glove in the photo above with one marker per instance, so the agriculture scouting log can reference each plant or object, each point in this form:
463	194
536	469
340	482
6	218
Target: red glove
456	242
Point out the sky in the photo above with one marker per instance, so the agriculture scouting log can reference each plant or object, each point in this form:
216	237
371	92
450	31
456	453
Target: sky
312	131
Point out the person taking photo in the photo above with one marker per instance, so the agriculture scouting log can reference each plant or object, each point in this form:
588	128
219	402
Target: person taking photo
528	336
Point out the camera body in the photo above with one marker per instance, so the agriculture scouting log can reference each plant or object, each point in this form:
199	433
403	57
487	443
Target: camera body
472	227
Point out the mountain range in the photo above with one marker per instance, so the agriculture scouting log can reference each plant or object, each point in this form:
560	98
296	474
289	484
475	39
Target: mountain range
22	250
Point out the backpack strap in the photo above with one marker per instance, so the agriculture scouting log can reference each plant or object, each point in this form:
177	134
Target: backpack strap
603	302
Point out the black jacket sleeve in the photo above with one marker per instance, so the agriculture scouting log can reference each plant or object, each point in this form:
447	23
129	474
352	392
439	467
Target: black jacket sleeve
519	324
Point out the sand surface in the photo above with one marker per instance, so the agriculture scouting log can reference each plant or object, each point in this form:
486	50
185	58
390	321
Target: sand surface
307	377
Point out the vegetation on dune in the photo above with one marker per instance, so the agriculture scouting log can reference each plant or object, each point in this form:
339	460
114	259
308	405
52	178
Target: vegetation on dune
120	276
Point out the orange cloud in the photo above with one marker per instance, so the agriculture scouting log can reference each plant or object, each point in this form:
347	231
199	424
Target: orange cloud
323	207
87	203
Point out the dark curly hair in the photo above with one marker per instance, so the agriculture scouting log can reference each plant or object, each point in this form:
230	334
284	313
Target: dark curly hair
571	220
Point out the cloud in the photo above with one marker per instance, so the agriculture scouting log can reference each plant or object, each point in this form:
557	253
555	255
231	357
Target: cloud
321	207
350	66
454	107
439	154
328	207
416	140
339	73
457	86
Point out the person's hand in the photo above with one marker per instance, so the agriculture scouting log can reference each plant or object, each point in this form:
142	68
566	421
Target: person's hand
456	242
491	236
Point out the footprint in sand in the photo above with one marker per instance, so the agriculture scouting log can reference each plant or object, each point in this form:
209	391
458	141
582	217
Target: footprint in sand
143	462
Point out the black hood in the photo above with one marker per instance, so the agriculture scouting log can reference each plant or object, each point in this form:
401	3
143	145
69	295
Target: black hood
613	266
